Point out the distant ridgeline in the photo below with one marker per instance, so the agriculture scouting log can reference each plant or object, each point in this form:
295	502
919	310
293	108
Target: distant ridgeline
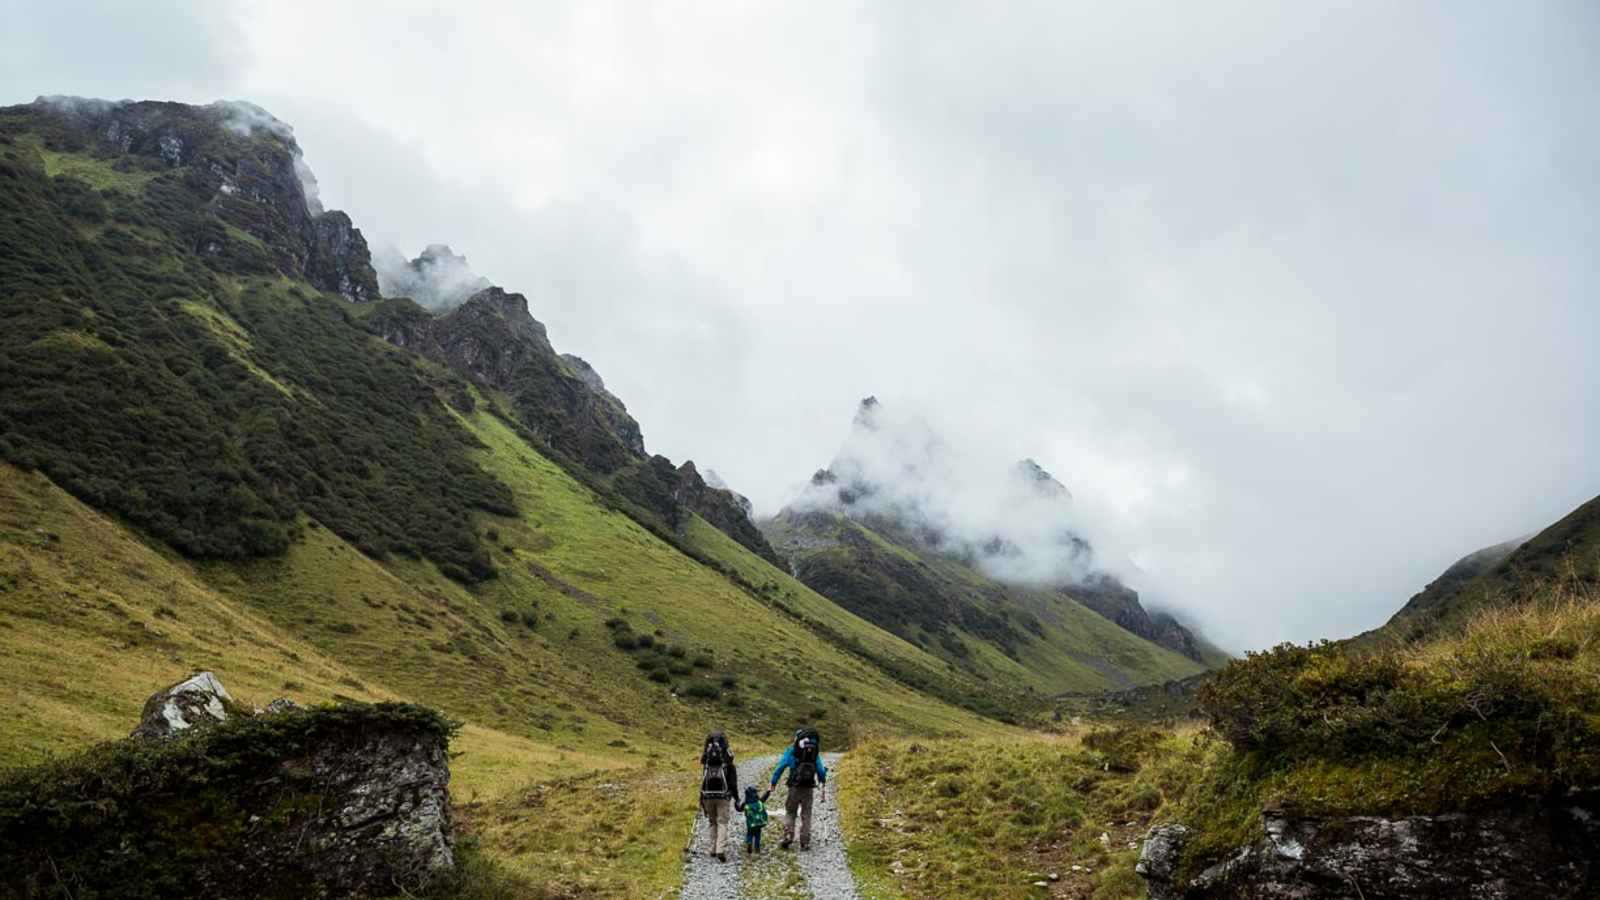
187	341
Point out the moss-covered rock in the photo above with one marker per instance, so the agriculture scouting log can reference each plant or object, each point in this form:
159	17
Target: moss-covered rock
340	801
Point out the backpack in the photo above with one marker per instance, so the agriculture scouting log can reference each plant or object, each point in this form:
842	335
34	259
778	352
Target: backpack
807	744
716	758
755	814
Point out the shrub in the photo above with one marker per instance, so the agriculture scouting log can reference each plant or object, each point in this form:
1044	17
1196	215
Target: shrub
660	677
510	617
703	690
646	640
703	661
625	640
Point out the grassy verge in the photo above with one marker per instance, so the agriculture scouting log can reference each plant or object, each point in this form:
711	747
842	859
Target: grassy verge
990	817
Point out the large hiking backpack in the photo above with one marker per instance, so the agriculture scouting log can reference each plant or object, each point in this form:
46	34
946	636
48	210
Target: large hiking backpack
716	758
807	746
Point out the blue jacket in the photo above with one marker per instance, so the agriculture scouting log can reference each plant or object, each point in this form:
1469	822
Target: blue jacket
787	762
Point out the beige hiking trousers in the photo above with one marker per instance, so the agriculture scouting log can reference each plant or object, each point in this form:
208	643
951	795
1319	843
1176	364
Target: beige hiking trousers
717	814
798	801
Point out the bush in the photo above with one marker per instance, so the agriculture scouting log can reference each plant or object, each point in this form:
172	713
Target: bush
702	661
625	640
510	617
703	690
646	640
660	677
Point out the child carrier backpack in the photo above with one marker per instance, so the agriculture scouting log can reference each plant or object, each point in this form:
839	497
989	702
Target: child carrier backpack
807	744
716	758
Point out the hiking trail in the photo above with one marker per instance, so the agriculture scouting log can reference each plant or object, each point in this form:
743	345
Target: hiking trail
820	873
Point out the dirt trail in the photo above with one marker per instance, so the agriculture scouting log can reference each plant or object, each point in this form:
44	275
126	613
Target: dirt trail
820	873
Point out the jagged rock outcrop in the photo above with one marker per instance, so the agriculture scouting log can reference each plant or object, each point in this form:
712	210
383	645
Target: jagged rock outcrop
1544	850
239	161
343	801
493	339
725	511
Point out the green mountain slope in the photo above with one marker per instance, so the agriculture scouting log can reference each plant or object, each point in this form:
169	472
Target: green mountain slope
188	359
1561	559
1040	638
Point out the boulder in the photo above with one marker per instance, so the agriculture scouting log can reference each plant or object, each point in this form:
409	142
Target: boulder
1158	861
199	702
350	800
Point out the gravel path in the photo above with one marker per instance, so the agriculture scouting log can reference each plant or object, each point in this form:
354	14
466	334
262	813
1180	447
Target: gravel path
820	873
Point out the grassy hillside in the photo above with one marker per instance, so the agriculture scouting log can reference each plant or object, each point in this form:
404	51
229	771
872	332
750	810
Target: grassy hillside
1040	640
1567	554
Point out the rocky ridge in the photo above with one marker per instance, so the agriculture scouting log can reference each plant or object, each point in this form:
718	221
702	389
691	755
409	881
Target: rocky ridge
243	164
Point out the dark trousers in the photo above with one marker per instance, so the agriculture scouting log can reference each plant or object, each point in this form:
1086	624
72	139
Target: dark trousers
752	839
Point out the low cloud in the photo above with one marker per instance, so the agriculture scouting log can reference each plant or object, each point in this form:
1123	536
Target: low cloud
438	279
960	496
245	119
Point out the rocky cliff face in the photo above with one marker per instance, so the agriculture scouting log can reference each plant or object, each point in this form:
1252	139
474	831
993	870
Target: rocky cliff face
727	511
493	339
238	160
210	800
1545	849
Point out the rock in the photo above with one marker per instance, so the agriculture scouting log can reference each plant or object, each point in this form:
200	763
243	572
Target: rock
200	701
1043	884
1541	850
282	705
1158	861
1105	839
726	510
341	801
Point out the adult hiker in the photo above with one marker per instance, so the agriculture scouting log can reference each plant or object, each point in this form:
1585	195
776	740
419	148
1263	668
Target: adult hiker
719	784
803	761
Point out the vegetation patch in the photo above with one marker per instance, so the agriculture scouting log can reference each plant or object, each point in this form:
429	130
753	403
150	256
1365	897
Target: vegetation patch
1508	709
989	818
133	820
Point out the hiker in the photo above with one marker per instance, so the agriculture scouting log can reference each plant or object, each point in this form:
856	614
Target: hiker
803	760
719	784
754	808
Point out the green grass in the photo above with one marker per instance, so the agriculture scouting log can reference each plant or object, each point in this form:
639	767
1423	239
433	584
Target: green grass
989	817
1509	708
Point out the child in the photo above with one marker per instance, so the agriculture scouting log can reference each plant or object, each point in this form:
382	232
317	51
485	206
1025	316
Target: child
755	817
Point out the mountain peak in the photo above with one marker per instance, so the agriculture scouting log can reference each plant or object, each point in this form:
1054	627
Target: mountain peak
1041	481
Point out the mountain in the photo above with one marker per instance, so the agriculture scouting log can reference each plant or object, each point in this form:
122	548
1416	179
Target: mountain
223	449
1562	560
980	567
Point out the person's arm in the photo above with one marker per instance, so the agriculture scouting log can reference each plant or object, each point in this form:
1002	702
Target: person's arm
732	774
822	771
784	763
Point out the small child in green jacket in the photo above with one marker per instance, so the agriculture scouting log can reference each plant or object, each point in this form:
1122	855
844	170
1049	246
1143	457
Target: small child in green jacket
755	817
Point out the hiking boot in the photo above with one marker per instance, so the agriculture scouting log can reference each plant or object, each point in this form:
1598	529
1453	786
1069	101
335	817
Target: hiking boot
804	846
784	844
722	857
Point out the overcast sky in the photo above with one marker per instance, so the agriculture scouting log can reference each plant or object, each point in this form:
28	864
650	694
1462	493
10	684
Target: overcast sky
1299	303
